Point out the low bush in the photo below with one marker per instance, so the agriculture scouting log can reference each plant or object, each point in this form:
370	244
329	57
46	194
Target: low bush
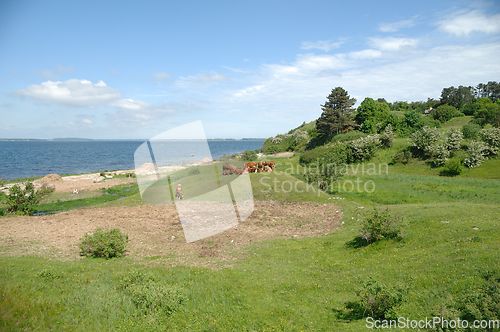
403	157
452	168
471	130
249	155
23	197
481	303
378	300
150	295
101	243
381	225
50	274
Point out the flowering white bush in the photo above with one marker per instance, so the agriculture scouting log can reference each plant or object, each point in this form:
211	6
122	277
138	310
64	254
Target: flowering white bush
387	138
425	140
476	154
442	154
454	137
277	140
491	137
364	148
300	136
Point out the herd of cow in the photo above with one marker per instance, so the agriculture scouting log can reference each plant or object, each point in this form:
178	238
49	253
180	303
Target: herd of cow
255	167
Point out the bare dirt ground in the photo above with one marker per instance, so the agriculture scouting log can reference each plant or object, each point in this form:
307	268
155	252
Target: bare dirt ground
155	232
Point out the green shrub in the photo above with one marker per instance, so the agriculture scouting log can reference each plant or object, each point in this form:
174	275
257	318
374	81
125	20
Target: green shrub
50	274
452	168
313	155
150	295
381	225
103	243
23	197
403	157
249	155
445	113
380	301
482	304
470	130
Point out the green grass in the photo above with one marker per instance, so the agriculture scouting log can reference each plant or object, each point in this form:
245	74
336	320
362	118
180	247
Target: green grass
289	285
115	193
456	122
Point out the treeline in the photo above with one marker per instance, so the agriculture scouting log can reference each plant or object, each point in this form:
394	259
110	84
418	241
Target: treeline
372	116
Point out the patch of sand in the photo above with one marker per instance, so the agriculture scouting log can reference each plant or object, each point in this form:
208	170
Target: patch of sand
155	231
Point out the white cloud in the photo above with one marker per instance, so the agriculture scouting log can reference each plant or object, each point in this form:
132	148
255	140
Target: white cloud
72	92
87	121
290	94
365	54
324	45
161	76
210	78
392	43
396	26
473	21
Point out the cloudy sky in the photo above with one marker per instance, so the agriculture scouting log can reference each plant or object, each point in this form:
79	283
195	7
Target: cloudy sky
122	69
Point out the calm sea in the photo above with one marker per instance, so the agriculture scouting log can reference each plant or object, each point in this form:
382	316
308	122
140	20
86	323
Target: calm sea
19	159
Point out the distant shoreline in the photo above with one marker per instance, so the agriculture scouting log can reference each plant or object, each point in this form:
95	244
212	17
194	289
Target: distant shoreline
118	140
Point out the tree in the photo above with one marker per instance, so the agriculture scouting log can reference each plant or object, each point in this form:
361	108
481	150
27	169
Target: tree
490	90
337	114
487	112
457	97
370	113
445	113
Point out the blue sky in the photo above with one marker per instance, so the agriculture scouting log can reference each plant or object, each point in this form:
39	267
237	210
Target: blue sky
109	69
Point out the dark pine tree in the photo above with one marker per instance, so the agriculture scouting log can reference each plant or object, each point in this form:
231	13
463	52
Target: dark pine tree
337	116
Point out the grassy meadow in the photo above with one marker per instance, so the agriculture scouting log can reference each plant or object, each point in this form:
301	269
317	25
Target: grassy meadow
451	241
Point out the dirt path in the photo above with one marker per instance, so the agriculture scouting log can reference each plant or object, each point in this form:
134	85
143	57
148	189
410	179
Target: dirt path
153	231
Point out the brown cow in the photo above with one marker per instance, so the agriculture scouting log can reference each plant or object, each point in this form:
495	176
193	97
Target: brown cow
268	169
271	164
250	165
